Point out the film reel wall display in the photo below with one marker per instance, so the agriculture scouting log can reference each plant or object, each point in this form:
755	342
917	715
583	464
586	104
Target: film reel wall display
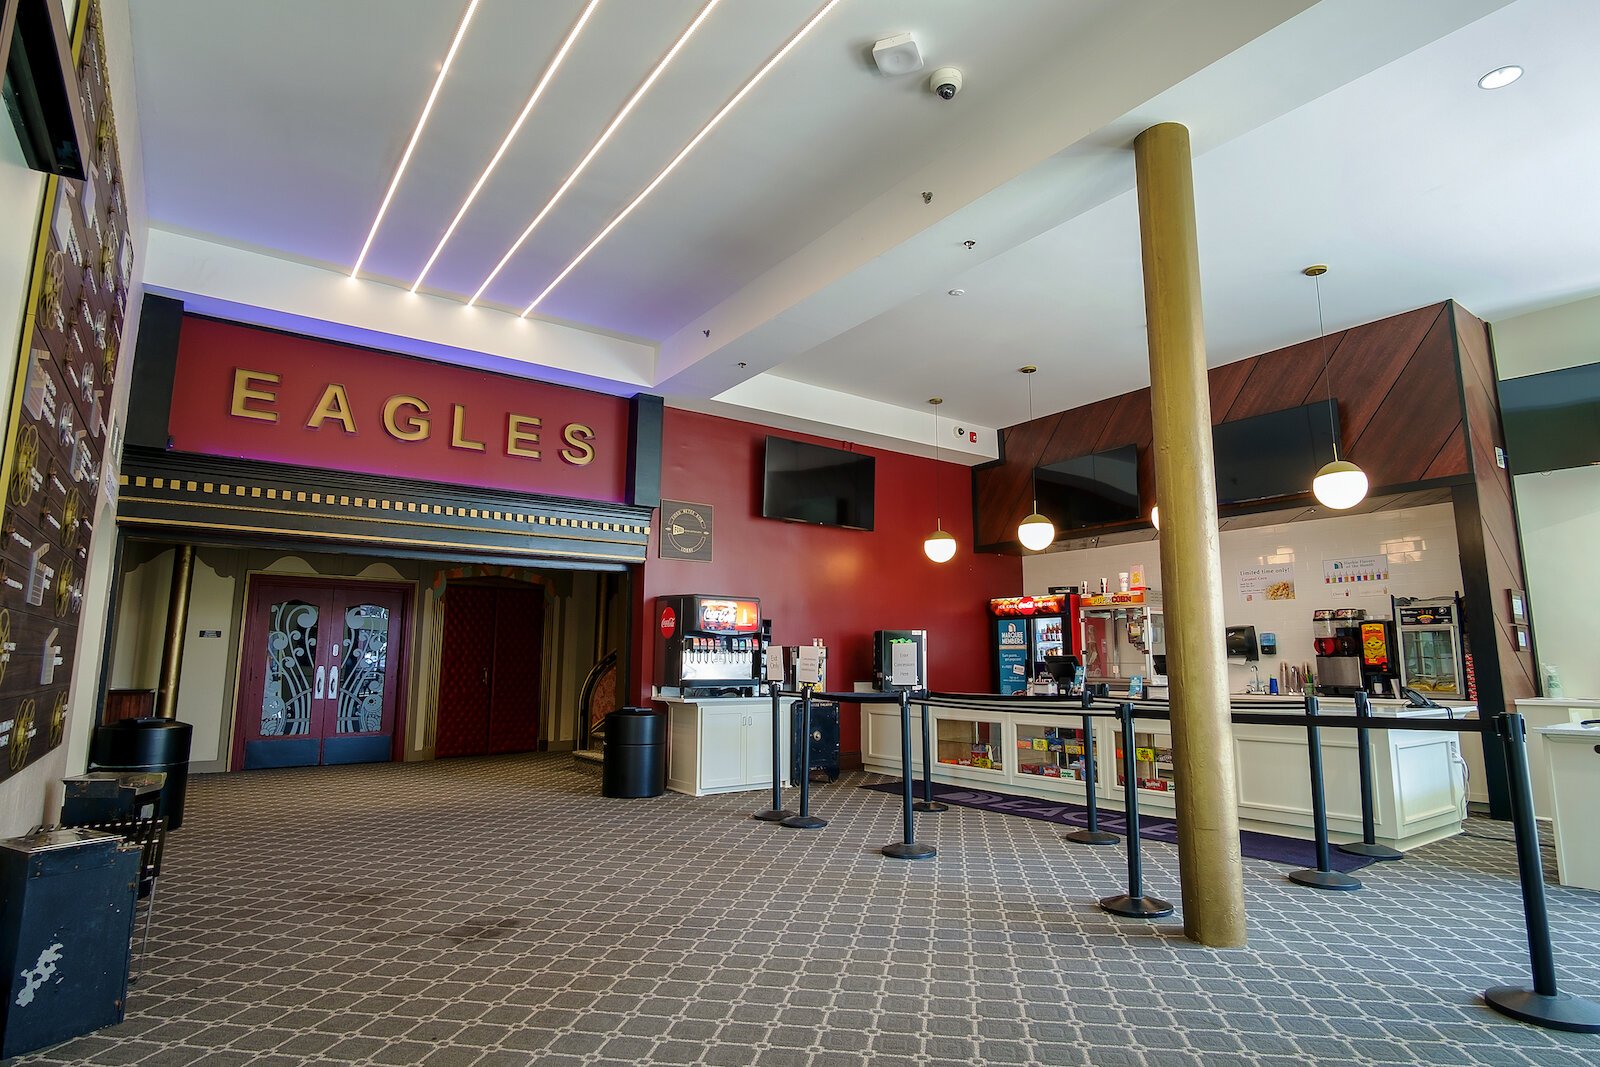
59	422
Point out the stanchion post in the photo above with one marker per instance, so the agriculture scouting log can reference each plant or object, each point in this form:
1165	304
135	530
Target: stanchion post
1324	877
1543	1004
1092	834
1133	904
927	803
777	813
907	848
805	820
1368	845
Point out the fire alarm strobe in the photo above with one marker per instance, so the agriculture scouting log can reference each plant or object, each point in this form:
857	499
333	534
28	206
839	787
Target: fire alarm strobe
897	55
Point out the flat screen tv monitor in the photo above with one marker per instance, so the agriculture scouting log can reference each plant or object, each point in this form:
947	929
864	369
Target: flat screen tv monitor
818	484
1273	455
1092	490
1552	420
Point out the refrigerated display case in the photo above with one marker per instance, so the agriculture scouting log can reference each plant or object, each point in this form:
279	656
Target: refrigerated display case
1026	629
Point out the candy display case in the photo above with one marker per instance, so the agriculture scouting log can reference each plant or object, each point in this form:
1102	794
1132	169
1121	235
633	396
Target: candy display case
1052	751
979	744
1034	752
1152	761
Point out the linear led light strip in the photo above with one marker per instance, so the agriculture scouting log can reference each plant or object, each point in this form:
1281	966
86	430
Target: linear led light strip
416	134
527	109
682	155
594	149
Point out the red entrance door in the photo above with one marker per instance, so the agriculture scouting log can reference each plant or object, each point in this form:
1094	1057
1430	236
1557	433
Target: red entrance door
490	669
321	674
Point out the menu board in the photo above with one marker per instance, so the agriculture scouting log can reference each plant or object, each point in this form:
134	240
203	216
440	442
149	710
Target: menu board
57	433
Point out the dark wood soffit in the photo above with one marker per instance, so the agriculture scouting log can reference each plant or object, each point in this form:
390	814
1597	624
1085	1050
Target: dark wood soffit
1395	380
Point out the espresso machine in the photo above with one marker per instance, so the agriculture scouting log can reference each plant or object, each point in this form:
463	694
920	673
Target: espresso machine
1336	636
708	645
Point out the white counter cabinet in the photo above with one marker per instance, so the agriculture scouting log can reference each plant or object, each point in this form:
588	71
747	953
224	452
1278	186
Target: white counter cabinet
721	744
1572	768
1418	788
1539	712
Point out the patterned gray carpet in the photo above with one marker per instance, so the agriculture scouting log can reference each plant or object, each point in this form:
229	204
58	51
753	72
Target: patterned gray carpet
499	911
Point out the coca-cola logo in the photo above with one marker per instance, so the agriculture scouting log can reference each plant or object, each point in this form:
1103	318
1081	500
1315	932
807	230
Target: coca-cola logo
1025	605
669	622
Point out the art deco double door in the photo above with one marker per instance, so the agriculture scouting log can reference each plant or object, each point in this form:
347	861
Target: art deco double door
320	673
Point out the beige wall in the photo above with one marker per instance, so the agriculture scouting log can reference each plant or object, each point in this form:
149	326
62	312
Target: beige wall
207	688
1558	512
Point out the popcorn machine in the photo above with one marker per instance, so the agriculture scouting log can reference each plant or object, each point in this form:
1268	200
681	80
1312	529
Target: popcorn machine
1430	645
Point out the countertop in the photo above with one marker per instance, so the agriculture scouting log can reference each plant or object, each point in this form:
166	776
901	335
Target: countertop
1560	702
1570	733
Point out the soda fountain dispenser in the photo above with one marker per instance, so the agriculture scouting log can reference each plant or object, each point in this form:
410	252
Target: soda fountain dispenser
706	645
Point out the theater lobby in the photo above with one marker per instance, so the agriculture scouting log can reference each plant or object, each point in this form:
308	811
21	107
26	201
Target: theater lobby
801	533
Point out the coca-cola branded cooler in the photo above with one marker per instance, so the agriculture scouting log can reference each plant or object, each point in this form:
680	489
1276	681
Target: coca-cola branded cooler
1026	629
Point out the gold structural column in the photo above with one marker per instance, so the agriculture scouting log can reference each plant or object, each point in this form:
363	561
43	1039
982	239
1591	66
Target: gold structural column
177	623
1191	562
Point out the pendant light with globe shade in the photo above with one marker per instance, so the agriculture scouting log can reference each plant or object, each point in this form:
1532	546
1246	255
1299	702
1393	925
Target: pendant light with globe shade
1341	484
1036	532
939	546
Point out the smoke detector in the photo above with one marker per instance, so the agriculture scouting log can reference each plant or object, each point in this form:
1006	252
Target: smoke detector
897	55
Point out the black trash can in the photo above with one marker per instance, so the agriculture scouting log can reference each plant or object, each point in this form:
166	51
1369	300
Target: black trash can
635	763
148	745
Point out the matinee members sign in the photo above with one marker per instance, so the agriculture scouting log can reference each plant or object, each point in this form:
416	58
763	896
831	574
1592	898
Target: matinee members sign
257	394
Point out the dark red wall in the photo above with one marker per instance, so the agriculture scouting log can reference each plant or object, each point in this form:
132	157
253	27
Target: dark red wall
839	585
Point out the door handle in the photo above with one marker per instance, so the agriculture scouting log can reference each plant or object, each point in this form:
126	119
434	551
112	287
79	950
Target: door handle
322	677
333	682
486	676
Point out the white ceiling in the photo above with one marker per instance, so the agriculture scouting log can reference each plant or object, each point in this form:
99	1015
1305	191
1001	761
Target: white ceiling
1413	184
1352	134
294	156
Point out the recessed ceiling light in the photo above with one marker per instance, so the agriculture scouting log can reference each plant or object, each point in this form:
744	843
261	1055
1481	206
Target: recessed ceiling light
505	143
957	292
416	134
683	153
1500	77
594	149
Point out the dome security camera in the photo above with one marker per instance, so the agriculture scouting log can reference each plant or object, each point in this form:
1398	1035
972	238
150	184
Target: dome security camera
945	83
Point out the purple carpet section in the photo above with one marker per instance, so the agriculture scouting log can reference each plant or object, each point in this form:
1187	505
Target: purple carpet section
1270	847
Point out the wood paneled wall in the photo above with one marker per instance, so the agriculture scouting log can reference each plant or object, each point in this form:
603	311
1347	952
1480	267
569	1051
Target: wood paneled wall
1491	551
1399	407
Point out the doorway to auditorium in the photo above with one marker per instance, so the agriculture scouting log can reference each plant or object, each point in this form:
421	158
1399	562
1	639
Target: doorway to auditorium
323	675
491	668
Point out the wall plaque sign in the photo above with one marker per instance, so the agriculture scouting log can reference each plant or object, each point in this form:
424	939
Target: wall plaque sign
686	530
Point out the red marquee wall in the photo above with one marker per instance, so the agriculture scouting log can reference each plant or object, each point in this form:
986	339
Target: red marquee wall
839	585
474	404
